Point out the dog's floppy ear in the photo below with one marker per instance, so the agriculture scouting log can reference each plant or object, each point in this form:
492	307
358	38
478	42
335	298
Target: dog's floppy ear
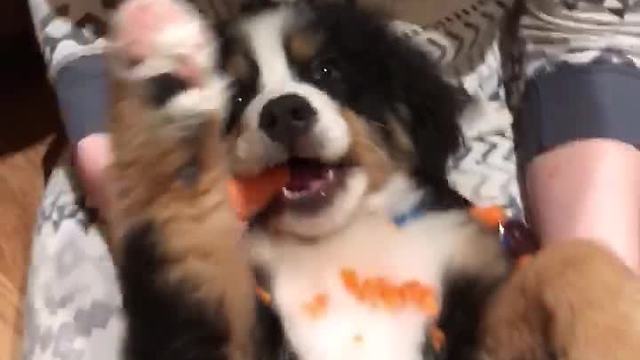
431	109
388	73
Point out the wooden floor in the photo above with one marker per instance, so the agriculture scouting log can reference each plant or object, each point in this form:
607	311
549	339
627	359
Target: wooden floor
28	123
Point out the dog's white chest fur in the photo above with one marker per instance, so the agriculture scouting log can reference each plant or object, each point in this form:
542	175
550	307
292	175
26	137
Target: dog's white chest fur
325	320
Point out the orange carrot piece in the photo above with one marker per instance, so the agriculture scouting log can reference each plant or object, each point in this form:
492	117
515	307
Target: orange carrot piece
428	305
317	306
380	285
402	295
368	291
412	291
391	298
350	280
263	295
378	291
250	195
491	216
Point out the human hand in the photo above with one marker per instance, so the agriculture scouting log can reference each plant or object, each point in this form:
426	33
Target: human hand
93	155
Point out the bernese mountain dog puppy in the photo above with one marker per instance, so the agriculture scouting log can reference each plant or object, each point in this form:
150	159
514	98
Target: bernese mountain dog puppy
363	253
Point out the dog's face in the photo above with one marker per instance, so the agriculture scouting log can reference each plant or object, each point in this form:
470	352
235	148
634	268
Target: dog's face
331	93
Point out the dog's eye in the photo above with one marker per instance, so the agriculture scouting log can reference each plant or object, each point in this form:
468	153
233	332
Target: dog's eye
243	93
325	69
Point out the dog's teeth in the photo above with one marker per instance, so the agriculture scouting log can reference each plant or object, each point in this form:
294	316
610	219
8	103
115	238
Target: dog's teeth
330	175
288	193
294	195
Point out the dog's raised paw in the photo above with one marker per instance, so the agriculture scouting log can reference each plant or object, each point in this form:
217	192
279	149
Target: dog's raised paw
164	49
159	36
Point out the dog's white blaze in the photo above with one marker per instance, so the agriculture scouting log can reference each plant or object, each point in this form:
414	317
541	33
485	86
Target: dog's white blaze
265	34
330	138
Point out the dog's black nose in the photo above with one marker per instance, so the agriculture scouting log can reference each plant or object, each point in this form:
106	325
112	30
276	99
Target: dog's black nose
286	118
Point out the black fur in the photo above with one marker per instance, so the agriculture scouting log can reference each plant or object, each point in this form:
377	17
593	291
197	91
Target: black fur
465	297
244	89
165	323
163	87
248	7
269	336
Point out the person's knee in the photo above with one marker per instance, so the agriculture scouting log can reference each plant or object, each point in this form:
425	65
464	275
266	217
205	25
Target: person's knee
577	102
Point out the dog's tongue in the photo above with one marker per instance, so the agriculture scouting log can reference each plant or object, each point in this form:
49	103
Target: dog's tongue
306	175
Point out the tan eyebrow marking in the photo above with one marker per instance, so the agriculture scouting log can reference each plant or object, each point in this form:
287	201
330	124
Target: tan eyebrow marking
303	45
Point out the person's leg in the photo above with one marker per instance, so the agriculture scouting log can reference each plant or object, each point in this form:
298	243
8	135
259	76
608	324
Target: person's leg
578	169
578	119
588	189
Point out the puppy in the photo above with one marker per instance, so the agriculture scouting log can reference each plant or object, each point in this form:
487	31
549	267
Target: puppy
365	125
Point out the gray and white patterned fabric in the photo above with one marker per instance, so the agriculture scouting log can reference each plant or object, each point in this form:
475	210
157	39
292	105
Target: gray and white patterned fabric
73	300
68	30
555	32
467	45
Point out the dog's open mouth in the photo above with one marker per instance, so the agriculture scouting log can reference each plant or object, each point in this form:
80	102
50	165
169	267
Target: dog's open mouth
312	184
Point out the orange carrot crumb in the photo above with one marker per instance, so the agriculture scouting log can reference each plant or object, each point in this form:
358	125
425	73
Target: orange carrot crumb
402	295
350	280
412	291
380	285
368	291
428	306
378	291
358	339
438	339
491	216
391	298
263	295
317	306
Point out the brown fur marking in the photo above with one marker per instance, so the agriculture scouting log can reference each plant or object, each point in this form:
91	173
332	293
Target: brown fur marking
303	45
238	66
574	300
367	151
201	232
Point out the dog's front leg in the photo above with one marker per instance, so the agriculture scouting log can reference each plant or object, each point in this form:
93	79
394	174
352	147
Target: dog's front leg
187	285
572	301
